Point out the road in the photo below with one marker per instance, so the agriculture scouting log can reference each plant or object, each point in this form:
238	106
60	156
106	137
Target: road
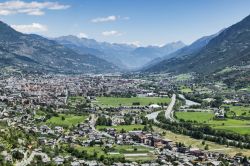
153	116
169	110
27	160
188	102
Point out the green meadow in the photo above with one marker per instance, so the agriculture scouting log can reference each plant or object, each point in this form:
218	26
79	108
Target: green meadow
119	101
199	117
66	120
230	125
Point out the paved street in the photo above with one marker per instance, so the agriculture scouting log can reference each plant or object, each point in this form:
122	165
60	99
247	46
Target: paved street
169	110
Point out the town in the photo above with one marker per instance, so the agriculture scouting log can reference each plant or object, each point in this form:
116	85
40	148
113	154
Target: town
120	120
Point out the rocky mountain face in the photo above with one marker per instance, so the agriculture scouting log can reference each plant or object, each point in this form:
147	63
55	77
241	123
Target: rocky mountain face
35	53
231	47
123	55
144	55
193	48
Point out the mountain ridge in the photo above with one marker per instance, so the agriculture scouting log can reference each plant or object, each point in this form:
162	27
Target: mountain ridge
125	55
33	52
228	48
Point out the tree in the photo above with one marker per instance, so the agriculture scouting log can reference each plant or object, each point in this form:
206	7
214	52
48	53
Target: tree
95	154
217	102
123	131
102	157
17	155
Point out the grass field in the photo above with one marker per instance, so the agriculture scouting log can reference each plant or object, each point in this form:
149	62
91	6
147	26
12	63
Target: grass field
120	127
188	141
200	117
99	150
247	89
69	120
131	149
230	125
239	110
120	151
117	101
185	89
226	70
74	100
183	77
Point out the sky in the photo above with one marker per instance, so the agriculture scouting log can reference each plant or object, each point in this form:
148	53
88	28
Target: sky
140	22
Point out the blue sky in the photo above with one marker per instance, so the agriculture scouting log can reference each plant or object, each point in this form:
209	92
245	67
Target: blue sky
144	22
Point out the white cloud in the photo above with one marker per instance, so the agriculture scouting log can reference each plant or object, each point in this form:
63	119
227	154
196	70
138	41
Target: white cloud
29	8
82	35
126	18
109	19
111	33
135	43
5	12
30	28
104	19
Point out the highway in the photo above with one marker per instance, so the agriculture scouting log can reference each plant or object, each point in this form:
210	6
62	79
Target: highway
169	110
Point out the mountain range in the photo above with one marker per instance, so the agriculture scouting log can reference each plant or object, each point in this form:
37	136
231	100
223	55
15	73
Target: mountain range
70	54
123	55
230	47
195	47
37	54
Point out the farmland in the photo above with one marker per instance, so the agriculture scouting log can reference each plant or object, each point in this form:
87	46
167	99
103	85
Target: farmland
230	125
119	101
239	110
195	116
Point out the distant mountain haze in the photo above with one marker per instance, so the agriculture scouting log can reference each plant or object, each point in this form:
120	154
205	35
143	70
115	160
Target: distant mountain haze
124	55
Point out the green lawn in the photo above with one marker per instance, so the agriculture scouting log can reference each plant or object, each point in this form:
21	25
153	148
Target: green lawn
200	117
118	101
239	110
120	127
235	129
69	120
231	125
183	77
39	114
247	89
185	89
132	149
120	151
74	100
226	70
99	150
